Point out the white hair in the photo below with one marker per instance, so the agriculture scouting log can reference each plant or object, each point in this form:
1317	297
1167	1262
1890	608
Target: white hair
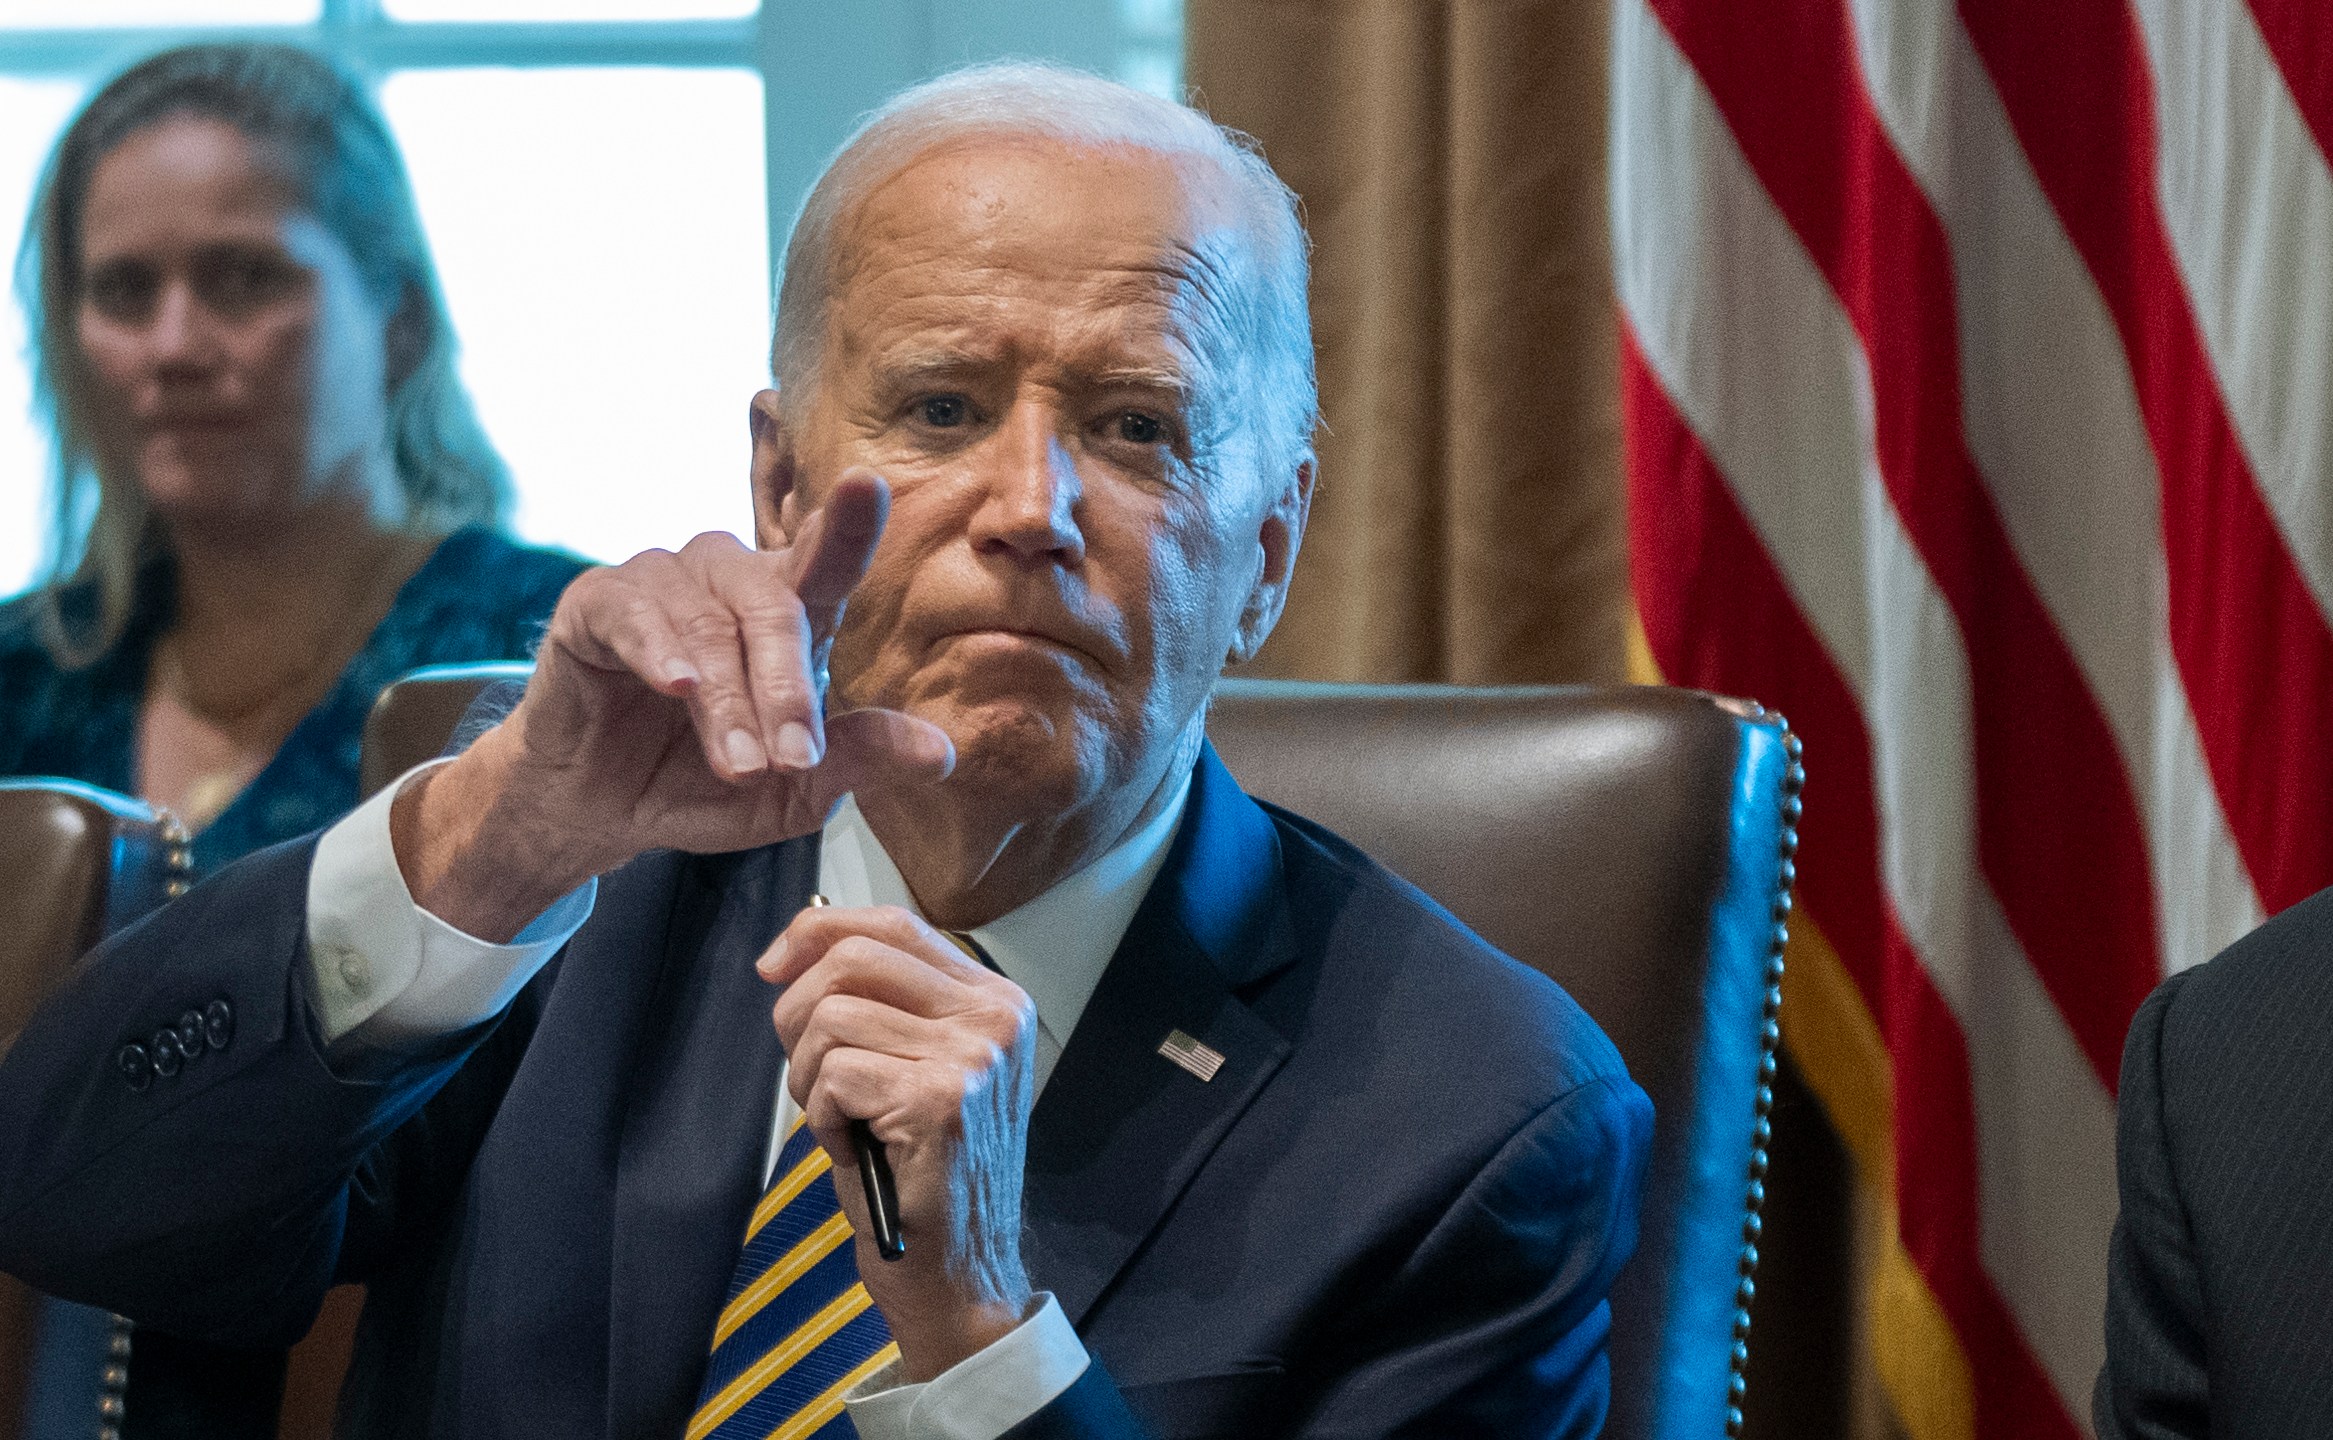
1271	328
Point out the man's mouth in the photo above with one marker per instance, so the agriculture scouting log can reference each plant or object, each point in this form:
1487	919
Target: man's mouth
1013	635
1024	637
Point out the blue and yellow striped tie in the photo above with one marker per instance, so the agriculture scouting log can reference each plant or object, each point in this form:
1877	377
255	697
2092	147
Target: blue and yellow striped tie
798	1329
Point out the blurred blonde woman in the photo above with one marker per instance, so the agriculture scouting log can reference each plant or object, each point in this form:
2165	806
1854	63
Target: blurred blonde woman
271	494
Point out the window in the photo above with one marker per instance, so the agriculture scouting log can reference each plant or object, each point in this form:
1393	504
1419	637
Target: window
32	112
605	183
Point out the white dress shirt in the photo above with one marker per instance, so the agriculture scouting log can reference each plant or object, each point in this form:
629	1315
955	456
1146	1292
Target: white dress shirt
389	973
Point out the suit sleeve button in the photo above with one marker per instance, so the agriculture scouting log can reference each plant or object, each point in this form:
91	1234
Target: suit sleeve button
190	1034
219	1024
137	1069
169	1059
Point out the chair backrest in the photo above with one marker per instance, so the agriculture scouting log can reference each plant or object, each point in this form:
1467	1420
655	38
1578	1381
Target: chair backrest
413	718
79	863
1634	843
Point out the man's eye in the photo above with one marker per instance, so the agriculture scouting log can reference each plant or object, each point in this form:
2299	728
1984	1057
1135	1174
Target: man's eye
1140	429
944	412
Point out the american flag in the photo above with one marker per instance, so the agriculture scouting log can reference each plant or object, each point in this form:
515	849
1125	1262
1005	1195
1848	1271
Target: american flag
1978	387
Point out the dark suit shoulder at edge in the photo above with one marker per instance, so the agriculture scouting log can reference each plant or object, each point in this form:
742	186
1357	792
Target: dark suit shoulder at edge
2140	1076
2260	983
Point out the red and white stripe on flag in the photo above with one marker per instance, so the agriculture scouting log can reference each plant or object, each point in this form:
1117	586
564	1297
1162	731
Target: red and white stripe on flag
1978	386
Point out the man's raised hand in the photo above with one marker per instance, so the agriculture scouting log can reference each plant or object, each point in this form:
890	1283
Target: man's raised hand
675	704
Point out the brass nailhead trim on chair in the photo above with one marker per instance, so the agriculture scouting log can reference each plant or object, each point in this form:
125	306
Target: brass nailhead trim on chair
114	1384
114	1381
178	855
1769	1039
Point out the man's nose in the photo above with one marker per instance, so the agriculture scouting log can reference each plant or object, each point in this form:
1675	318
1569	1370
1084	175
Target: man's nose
1033	491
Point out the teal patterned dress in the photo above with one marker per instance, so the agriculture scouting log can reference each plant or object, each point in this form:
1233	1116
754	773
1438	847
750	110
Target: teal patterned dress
479	596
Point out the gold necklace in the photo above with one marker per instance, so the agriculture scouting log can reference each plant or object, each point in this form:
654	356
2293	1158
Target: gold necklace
354	616
208	793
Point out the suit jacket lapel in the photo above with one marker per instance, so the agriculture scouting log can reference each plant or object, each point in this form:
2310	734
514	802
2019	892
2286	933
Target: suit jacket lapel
696	1128
1121	1129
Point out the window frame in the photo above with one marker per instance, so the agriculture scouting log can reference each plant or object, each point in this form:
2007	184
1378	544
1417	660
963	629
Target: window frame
823	63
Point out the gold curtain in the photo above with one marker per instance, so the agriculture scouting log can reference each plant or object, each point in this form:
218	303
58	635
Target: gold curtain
1450	154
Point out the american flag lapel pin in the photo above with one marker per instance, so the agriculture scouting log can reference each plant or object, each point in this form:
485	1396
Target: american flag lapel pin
1200	1059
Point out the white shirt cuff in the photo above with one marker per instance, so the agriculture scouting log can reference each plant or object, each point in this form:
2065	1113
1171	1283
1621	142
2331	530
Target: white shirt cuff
388	972
981	1396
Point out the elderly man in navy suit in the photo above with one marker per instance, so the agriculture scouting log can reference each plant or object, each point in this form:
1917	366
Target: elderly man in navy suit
1199	1122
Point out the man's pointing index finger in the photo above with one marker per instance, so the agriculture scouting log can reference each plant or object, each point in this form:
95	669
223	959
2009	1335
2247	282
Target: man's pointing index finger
837	542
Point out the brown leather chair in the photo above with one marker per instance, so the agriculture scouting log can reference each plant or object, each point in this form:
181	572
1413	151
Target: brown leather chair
1634	843
78	862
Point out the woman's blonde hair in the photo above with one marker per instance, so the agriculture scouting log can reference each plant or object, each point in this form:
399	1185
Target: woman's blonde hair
346	171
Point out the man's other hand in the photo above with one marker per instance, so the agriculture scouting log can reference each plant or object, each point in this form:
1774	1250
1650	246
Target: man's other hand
885	1020
675	704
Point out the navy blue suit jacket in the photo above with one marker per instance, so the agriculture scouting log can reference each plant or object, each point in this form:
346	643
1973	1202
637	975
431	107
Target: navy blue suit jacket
1395	1210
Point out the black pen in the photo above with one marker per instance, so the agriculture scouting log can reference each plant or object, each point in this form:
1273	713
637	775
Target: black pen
875	1176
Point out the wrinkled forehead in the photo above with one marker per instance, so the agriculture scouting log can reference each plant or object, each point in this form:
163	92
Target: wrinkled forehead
1108	240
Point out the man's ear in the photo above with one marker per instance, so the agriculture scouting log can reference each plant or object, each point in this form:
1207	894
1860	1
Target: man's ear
777	509
1279	536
